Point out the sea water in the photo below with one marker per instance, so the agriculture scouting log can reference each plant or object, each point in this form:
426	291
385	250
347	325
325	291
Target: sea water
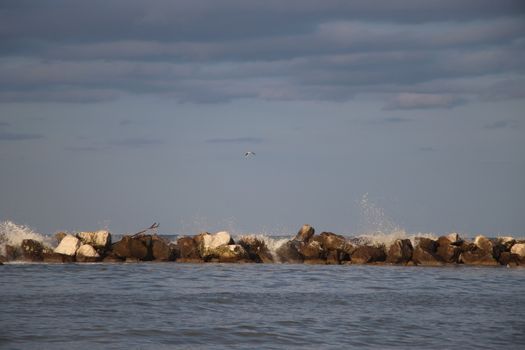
263	306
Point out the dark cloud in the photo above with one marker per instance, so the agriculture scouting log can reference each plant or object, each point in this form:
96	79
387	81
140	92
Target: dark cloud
236	140
502	124
136	142
416	54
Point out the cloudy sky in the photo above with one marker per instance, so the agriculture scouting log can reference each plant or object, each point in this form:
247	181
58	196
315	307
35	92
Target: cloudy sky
119	113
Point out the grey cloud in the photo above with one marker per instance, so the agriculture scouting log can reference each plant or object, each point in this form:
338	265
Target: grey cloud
395	120
502	124
83	148
13	136
236	140
136	142
423	101
426	149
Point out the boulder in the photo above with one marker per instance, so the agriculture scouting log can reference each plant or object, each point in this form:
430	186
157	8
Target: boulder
256	249
68	245
87	253
99	239
336	257
509	259
368	254
229	253
312	251
133	248
161	250
289	253
208	243
454	238
484	244
518	249
57	258
477	257
187	250
507	242
305	234
446	251
112	258
331	241
32	250
400	252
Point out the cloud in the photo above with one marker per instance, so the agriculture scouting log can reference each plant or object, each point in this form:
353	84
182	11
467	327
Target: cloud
236	140
423	101
13	136
136	142
426	149
396	120
83	148
502	124
214	52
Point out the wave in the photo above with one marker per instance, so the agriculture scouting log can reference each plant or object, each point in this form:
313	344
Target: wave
13	234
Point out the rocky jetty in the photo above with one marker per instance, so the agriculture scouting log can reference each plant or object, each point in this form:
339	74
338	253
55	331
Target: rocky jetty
305	247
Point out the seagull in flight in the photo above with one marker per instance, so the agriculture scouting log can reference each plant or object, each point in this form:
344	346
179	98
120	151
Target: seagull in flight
249	154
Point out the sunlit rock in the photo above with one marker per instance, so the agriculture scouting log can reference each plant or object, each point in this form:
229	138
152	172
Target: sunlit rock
400	252
68	245
87	253
98	239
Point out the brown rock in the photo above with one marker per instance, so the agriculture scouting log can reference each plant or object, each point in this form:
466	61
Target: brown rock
311	251
477	257
134	248
447	252
59	236
400	252
256	249
509	259
331	241
12	253
32	250
161	250
368	254
112	258
424	257
57	258
289	253
187	248
305	234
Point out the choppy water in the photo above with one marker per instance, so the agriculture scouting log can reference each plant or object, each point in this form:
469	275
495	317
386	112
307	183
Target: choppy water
275	306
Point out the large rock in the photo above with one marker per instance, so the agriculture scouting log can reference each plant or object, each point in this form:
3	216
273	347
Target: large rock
477	257
425	252
331	241
12	253
305	234
134	248
446	251
509	259
68	245
312	252
98	239
161	250
518	249
229	253
400	252
368	254
208	243
87	253
256	249
507	242
187	250
289	253
59	236
32	250
484	244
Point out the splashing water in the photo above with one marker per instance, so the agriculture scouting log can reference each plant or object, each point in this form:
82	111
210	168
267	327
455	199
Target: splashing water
13	234
381	229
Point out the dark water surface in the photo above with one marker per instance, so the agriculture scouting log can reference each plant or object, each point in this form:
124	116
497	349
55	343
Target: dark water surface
275	306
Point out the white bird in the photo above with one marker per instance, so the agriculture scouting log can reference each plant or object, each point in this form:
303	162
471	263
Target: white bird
249	154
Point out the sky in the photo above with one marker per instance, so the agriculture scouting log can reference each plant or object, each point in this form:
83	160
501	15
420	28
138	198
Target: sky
364	115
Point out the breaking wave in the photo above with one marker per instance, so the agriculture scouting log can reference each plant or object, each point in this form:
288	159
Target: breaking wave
13	234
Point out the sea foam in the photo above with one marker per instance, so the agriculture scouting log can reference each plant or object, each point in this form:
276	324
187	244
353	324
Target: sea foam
13	234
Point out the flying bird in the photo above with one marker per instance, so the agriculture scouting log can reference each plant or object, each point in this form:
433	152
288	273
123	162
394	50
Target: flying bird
249	154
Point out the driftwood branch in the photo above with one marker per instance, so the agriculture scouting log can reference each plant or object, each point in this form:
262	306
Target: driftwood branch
152	227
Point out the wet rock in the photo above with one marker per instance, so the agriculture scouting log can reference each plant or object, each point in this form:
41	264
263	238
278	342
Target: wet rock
68	245
112	258
187	250
12	253
289	253
400	252
133	248
87	253
230	253
506	242
57	258
454	238
161	250
368	254
32	250
256	249
446	251
518	249
208	244
305	234
336	257
99	239
331	241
